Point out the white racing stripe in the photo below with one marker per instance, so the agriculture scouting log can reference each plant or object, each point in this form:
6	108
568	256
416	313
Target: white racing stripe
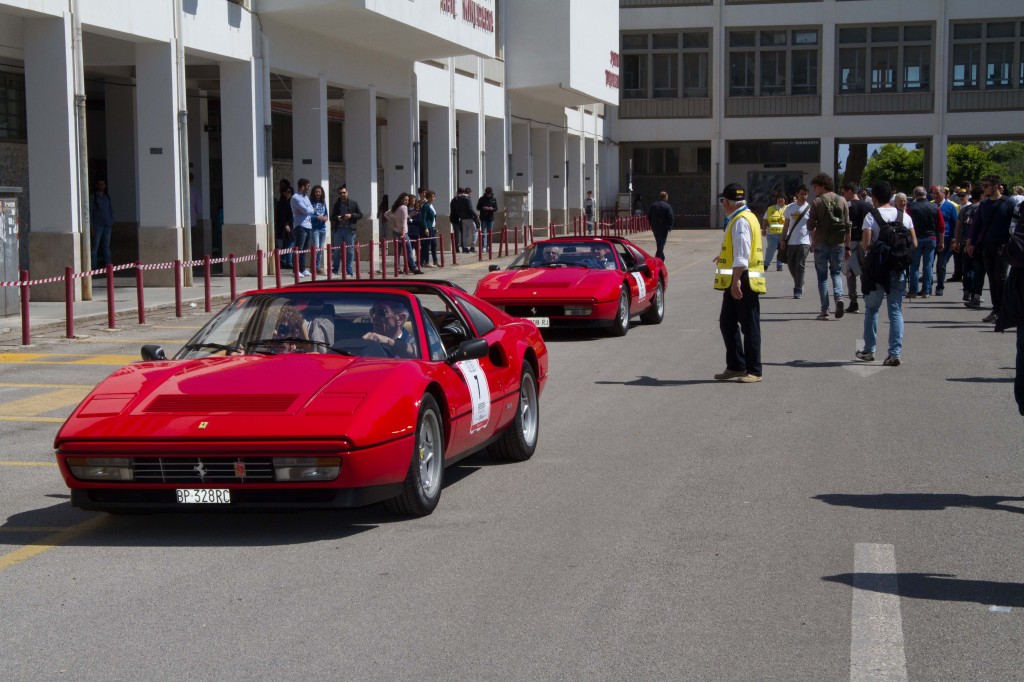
876	641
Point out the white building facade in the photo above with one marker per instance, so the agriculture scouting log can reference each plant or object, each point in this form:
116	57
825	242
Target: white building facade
383	96
766	93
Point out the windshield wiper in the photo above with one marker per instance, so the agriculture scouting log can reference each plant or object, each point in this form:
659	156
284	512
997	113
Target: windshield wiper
296	339
215	346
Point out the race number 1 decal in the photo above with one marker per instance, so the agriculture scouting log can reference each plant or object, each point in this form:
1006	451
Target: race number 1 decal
640	285
479	393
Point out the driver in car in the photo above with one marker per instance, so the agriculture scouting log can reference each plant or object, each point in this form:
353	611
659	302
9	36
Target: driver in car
604	258
388	319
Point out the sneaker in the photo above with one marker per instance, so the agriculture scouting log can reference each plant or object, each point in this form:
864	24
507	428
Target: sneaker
967	296
891	361
797	293
973	303
923	296
912	294
840	308
823	316
991	317
750	378
939	292
853	307
303	275
778	269
865	356
955	279
731	374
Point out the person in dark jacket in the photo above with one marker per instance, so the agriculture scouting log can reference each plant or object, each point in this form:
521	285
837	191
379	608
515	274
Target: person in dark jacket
661	218
487	207
345	215
283	221
1012	314
931	230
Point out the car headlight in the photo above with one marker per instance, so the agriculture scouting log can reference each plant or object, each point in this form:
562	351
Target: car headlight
100	468
306	468
580	310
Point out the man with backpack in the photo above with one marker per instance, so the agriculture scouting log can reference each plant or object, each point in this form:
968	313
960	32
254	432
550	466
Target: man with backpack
830	227
888	240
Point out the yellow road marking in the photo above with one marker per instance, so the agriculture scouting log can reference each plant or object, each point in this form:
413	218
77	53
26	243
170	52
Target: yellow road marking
45	402
27	464
52	420
107	360
131	341
8	385
72	359
42	545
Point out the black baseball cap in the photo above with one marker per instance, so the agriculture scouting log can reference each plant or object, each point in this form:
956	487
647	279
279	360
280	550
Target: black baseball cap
733	192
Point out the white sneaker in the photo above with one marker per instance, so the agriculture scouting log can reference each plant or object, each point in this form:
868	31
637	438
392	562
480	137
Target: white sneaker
305	273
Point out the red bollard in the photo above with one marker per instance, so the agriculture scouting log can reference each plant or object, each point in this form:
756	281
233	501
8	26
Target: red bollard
440	247
313	251
69	303
419	253
397	259
140	292
490	246
177	287
277	268
515	230
207	285
455	260
231	276
343	262
259	268
26	334
369	260
111	322
295	264
359	273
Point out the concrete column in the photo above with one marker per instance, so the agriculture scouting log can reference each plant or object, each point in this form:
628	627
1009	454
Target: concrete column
399	174
361	157
541	175
521	180
244	159
160	219
54	241
574	182
557	156
439	162
199	166
828	156
470	169
309	131
495	163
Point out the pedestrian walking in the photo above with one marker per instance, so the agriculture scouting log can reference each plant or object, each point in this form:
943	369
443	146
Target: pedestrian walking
739	276
773	220
428	252
588	211
661	218
930	230
1013	302
830	227
950	212
990	234
797	239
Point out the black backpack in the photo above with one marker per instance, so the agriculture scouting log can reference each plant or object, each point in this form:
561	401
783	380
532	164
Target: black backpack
891	252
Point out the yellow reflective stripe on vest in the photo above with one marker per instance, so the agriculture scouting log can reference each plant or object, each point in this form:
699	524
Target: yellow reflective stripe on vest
755	268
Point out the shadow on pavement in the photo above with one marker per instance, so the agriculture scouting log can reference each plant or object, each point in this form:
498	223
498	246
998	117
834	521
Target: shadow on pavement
936	586
922	501
982	380
647	381
810	364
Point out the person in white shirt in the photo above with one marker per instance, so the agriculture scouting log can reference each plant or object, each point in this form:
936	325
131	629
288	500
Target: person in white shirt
891	291
797	239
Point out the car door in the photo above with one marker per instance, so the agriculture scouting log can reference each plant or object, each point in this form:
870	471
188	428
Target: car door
638	293
650	277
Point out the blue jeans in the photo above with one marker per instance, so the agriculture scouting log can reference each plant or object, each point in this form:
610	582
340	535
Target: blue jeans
486	227
770	249
941	261
894	305
101	243
302	237
925	251
428	247
319	240
828	261
347	236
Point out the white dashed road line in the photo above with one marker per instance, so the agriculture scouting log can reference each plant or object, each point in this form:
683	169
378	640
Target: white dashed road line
876	642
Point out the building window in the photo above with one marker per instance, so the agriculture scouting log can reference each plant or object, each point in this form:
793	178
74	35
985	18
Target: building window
773	63
665	65
12	107
885	59
988	56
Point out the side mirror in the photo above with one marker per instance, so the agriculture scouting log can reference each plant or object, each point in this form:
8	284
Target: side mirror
473	349
493	267
643	268
152	352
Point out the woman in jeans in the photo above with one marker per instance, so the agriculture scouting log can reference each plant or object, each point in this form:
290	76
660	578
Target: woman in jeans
398	220
428	219
320	220
487	207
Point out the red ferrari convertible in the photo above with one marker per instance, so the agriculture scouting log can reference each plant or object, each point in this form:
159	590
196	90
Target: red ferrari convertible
324	394
580	282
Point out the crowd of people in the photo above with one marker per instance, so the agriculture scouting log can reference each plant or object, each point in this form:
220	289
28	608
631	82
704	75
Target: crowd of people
890	244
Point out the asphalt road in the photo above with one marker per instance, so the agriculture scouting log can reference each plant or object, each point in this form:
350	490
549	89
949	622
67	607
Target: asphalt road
838	521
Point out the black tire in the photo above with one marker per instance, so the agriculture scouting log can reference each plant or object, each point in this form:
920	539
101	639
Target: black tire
422	487
519	441
656	313
621	324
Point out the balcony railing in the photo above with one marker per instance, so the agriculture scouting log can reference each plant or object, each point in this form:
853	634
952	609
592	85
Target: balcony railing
888	103
792	105
986	100
687	107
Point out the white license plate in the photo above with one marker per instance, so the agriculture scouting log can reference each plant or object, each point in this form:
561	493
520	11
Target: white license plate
540	321
204	496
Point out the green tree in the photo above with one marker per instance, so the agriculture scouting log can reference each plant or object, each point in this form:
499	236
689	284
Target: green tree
1009	160
902	167
967	163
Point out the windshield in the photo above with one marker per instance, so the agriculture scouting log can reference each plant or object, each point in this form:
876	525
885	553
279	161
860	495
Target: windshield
588	254
366	324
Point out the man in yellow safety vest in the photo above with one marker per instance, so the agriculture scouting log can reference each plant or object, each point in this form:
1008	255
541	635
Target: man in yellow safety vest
771	231
739	275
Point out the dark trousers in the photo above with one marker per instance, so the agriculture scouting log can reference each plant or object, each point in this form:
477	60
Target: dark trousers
660	236
941	260
974	272
958	264
740	322
1018	382
996	268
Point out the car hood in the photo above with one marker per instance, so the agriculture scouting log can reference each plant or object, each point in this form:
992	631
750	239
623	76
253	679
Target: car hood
547	282
244	397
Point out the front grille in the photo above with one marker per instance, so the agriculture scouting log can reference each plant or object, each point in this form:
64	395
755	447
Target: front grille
535	310
207	404
197	470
